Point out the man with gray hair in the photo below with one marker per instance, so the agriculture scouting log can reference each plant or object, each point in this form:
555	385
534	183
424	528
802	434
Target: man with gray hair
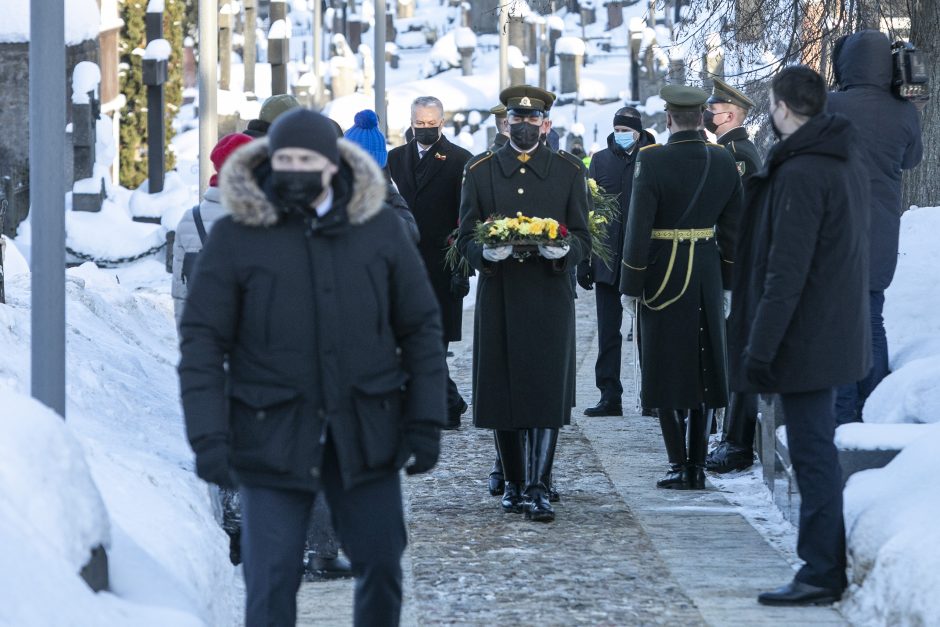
428	171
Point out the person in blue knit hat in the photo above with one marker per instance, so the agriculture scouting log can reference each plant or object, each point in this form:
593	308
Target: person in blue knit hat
365	132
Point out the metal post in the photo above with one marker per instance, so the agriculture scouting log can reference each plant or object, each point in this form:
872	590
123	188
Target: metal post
208	93
378	52
47	197
318	50
249	49
156	133
503	47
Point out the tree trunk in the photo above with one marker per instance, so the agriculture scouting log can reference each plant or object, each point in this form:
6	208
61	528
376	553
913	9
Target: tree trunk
922	185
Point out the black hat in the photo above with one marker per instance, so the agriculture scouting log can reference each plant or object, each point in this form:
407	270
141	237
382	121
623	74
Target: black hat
723	92
683	98
303	128
526	98
629	117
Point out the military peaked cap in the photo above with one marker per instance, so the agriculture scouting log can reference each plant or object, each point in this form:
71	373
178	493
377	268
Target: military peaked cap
723	92
526	98
683	98
499	110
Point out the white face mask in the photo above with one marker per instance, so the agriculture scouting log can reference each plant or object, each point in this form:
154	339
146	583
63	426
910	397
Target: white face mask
624	140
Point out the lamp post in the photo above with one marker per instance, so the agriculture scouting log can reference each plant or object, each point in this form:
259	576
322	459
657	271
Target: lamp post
47	197
208	88
378	52
154	76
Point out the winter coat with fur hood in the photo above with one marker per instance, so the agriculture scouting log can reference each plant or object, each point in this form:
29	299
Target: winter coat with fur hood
328	326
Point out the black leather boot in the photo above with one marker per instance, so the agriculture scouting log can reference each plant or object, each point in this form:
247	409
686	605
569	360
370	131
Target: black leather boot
547	480
700	424
672	423
540	452
736	450
496	474
512	455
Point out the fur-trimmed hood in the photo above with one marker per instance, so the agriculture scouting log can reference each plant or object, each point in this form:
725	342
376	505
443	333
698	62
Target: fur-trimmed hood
249	205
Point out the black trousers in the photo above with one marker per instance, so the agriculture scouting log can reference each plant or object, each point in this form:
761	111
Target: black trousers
454	399
811	425
609	341
371	527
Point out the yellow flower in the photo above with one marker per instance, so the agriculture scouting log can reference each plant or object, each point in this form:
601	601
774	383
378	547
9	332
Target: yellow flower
592	185
552	229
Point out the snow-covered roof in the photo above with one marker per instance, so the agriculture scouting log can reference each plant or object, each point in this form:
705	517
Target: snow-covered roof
82	21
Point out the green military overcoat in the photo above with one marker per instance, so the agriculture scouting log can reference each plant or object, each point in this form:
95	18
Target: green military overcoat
523	340
746	156
681	320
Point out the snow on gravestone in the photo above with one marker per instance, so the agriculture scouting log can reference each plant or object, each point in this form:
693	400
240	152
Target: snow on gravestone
85	79
45	483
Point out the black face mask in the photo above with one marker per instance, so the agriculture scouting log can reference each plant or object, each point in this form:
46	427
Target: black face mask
427	136
709	118
525	135
296	190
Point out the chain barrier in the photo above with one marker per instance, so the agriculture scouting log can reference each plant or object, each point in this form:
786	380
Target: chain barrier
110	263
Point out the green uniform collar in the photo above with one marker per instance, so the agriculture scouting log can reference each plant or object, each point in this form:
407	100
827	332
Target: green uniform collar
685	136
508	157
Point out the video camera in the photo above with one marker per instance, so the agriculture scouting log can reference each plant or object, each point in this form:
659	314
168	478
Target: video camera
909	73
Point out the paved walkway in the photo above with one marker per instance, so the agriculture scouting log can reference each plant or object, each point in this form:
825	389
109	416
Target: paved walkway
620	552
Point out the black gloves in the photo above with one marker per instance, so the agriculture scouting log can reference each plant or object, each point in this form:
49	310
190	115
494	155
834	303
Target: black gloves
585	277
459	284
424	442
758	373
212	464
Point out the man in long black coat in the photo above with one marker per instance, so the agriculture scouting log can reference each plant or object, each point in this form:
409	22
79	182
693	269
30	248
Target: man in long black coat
727	110
612	168
677	256
891	142
311	360
428	171
799	320
523	340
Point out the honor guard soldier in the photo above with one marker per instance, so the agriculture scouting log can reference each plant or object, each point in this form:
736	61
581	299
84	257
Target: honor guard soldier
677	258
502	126
523	340
725	115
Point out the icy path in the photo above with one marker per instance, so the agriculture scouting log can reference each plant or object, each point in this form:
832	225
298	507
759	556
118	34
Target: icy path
620	551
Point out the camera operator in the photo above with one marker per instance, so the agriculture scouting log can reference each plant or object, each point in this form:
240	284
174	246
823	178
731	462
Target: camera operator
889	134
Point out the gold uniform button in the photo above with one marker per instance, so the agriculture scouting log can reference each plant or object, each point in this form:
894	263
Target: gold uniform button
520	190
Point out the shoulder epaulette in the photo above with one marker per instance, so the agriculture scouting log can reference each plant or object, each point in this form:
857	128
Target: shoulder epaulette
650	146
477	160
570	158
714	144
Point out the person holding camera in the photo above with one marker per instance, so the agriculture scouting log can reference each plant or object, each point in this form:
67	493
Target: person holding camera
891	142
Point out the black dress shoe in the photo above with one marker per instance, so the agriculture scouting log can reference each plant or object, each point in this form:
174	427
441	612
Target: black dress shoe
696	478
799	593
729	457
676	479
496	481
512	498
553	496
320	568
537	506
604	408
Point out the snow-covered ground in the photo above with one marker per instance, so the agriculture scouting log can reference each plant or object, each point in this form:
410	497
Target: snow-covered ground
123	444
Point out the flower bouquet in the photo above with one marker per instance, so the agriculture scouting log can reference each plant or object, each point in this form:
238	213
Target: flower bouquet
606	209
523	233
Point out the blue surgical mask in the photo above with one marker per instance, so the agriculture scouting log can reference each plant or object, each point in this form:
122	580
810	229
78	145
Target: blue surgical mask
624	140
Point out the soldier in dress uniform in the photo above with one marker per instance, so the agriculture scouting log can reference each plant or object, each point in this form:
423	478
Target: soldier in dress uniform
677	258
727	110
502	126
523	340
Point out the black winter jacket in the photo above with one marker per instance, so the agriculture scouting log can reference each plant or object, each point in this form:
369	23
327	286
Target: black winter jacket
297	329
800	299
889	133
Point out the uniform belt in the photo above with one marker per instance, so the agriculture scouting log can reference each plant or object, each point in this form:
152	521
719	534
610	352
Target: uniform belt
682	235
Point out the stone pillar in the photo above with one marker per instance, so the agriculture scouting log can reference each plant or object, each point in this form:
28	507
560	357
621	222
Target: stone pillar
466	44
571	56
405	8
250	48
484	16
554	34
342	77
354	31
713	62
278	46
517	28
614	14
225	46
677	72
543	55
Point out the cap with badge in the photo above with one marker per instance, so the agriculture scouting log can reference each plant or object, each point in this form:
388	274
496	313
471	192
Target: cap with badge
683	98
526	99
723	92
499	110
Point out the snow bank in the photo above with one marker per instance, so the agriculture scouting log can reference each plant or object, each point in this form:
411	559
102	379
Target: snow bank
891	519
82	21
857	436
168	557
910	393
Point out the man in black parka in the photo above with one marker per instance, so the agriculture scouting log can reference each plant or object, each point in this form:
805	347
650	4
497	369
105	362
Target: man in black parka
428	172
677	258
890	139
799	312
612	168
312	361
523	339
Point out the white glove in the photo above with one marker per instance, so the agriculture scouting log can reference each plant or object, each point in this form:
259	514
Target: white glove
629	304
727	303
554	252
496	253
